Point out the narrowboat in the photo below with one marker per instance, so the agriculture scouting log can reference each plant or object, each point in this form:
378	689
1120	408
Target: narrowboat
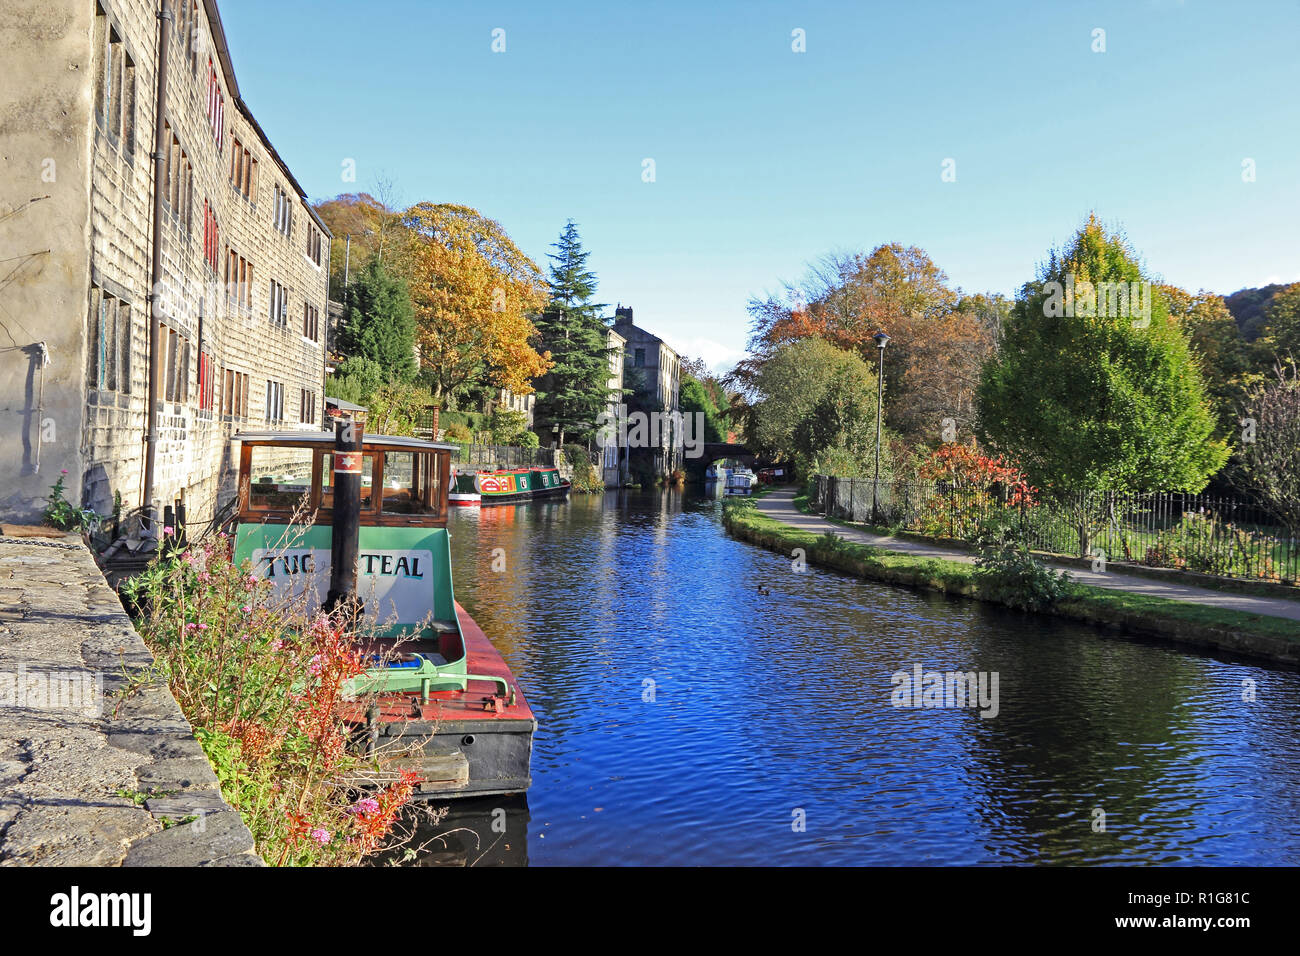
741	481
440	699
508	486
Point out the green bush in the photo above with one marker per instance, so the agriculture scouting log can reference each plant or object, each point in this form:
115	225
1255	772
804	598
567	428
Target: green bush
586	476
61	514
458	433
1006	572
507	426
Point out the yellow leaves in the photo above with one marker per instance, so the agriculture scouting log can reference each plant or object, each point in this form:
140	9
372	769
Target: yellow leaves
473	290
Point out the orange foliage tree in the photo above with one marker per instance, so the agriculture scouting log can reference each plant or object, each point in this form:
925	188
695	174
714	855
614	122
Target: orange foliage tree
939	340
969	485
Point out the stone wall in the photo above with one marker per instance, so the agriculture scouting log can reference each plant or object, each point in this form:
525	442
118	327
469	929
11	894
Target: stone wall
88	777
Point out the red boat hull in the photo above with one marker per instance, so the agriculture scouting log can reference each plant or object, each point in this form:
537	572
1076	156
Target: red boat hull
469	743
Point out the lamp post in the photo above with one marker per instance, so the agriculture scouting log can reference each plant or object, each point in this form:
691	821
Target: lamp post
881	341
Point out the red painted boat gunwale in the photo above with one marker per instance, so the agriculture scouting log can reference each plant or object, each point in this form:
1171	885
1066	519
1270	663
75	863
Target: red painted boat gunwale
450	705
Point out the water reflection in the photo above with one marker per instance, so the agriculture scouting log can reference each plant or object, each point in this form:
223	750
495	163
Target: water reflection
485	831
688	717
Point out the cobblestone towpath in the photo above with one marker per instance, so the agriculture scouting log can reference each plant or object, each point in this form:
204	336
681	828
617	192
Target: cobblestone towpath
90	775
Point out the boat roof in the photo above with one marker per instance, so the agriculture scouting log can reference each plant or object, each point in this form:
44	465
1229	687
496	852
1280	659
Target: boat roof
327	438
345	406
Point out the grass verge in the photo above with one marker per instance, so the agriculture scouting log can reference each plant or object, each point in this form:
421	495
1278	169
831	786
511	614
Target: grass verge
1171	575
1276	639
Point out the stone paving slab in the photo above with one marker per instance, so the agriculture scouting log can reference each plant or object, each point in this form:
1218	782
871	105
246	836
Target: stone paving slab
87	775
780	506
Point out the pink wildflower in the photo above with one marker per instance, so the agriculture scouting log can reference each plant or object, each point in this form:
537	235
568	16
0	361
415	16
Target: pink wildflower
320	835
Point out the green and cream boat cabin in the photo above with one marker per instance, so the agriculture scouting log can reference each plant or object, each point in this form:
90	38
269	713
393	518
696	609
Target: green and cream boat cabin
508	485
445	679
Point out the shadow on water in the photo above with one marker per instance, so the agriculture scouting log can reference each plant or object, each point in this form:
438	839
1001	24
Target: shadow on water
485	831
701	702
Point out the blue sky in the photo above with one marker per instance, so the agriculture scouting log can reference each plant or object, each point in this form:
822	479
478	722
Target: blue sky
766	159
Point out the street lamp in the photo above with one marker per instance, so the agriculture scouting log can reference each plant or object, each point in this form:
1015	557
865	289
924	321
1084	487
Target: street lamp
881	341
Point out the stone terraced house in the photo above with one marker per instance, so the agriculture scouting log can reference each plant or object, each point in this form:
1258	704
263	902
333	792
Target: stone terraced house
242	276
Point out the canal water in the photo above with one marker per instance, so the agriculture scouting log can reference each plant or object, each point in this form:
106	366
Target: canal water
703	702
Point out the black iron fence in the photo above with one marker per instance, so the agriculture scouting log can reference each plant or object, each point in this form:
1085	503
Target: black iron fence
1232	537
502	456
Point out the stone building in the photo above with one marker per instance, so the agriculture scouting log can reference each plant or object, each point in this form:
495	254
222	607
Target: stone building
653	370
614	460
525	404
243	282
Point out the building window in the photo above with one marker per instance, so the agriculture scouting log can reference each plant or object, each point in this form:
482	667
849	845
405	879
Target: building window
216	106
283	211
187	30
114	85
234	394
211	238
207	382
174	365
110	342
238	281
243	170
639	361
178	182
310	322
313	244
307	407
279	305
274	402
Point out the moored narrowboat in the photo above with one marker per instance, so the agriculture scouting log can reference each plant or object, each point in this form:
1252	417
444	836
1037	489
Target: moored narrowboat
436	680
508	485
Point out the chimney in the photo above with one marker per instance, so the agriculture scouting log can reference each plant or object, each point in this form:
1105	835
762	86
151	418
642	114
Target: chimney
623	315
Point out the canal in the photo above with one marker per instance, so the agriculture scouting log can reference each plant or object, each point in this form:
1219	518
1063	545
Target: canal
687	717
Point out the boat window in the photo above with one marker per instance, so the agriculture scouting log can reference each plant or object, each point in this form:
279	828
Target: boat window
411	483
279	479
327	480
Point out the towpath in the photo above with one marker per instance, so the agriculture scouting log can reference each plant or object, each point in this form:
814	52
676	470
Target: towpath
780	505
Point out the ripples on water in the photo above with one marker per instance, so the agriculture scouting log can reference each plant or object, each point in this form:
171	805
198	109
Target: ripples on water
686	718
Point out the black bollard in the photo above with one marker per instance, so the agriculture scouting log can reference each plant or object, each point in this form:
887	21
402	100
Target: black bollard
345	536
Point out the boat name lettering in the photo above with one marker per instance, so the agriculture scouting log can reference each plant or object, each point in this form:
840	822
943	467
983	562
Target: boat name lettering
389	566
289	563
407	568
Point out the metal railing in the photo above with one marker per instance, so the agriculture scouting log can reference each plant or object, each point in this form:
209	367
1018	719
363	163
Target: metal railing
502	456
1210	534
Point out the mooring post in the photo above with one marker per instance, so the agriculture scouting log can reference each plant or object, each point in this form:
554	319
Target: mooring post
345	536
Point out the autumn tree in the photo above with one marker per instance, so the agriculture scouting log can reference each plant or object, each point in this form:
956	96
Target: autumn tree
1229	365
363	227
1086	399
575	391
473	291
939	339
1268	460
1283	323
813	401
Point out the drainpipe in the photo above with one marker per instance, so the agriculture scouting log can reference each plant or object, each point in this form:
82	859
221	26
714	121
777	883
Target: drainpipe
155	269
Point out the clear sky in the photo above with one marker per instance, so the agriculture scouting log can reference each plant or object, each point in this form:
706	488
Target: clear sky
765	158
